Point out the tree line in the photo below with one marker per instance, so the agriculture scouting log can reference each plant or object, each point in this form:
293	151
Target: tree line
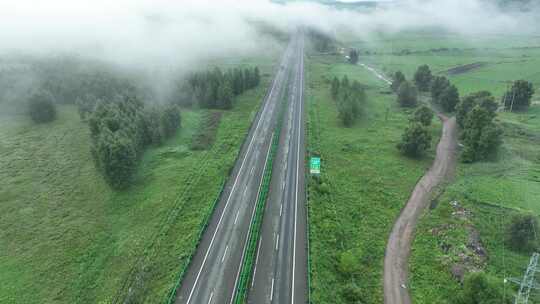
216	89
120	131
475	113
350	98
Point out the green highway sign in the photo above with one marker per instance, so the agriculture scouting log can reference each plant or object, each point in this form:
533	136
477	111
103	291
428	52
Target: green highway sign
315	165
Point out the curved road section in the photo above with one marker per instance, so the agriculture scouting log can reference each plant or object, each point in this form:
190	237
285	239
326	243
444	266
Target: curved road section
214	270
399	244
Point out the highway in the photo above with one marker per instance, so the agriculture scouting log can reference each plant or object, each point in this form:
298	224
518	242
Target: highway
214	270
280	274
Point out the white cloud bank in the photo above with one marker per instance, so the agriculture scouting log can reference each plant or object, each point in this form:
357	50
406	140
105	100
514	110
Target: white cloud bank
181	32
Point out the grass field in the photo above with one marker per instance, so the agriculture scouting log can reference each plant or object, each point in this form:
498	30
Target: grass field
365	182
504	58
67	238
488	193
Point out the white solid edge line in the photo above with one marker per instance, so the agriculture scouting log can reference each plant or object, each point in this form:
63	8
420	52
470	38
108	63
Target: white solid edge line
297	170
267	102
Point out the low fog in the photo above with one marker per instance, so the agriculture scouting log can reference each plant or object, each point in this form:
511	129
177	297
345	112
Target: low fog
165	37
182	32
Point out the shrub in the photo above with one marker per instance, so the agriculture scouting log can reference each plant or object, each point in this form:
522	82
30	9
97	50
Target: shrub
415	140
41	107
479	288
521	234
349	263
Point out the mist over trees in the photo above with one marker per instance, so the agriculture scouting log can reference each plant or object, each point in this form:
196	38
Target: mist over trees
350	99
321	41
216	89
518	98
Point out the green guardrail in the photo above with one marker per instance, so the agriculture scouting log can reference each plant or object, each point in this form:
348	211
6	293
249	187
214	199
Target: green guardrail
172	294
246	272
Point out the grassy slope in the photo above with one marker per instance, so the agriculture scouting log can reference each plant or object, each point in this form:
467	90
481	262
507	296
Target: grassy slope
367	180
511	181
67	238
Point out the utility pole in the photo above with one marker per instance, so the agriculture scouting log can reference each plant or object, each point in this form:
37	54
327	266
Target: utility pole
528	282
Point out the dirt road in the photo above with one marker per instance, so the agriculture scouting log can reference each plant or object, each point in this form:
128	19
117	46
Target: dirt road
399	243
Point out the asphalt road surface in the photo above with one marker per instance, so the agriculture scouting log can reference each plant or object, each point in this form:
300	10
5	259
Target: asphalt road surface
214	270
399	243
280	274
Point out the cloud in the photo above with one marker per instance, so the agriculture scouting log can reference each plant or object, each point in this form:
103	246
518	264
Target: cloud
184	32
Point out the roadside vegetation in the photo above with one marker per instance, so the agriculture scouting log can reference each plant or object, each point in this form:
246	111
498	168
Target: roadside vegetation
463	248
69	236
363	185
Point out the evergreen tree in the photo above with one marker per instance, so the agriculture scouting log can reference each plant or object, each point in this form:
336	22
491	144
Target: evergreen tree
481	136
415	140
438	86
41	107
519	96
422	78
397	80
353	56
423	115
407	95
334	90
449	98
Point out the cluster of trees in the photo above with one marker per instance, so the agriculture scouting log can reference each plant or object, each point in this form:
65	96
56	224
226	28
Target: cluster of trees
480	135
121	129
216	89
442	91
416	139
350	99
41	107
353	56
407	93
518	98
